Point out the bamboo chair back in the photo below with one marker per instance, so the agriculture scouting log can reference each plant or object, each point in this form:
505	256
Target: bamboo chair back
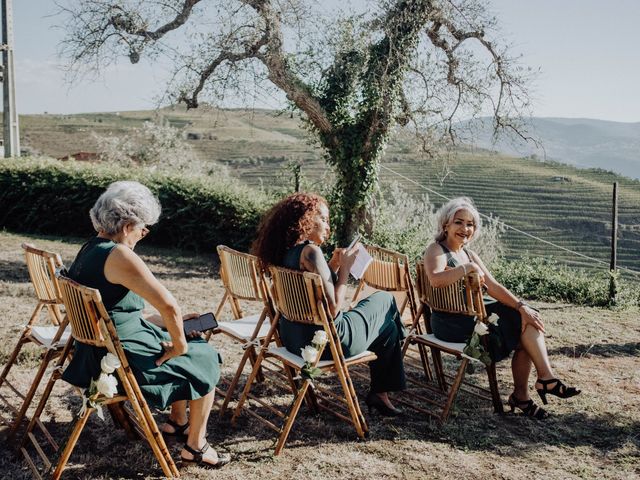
299	296
83	307
461	297
43	266
389	271
239	273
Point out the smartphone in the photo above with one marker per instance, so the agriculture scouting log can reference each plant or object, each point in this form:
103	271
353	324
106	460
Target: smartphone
354	241
200	324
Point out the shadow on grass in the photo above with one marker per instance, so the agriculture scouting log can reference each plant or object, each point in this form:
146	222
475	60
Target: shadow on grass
630	349
13	271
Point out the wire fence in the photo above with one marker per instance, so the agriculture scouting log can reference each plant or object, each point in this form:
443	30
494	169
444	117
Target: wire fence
552	211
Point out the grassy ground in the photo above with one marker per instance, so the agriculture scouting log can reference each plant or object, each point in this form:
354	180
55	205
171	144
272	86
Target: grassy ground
595	435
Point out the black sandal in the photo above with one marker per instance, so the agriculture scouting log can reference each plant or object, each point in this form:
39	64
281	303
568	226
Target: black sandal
198	459
528	407
179	431
559	389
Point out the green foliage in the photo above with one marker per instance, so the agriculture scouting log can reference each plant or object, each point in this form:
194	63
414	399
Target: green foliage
47	196
544	279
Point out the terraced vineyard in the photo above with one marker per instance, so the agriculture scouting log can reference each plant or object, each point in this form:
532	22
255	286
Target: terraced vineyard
558	203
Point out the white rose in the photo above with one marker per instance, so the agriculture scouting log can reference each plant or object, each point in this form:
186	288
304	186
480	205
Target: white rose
481	329
320	338
109	363
107	385
493	320
309	354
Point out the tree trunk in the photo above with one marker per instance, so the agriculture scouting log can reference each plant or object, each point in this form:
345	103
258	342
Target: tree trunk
356	180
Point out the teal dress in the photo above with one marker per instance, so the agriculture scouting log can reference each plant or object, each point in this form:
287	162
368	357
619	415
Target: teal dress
503	338
373	324
186	377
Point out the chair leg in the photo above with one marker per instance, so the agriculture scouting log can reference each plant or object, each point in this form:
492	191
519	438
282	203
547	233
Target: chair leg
247	387
455	386
293	412
439	369
46	360
71	443
236	379
493	387
19	345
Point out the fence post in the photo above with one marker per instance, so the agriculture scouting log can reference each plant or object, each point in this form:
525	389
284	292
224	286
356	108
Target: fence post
613	284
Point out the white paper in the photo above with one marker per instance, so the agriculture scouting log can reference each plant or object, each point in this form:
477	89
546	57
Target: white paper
363	259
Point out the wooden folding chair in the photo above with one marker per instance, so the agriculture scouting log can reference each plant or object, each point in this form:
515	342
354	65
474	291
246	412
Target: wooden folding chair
299	296
243	282
462	297
91	325
389	272
42	266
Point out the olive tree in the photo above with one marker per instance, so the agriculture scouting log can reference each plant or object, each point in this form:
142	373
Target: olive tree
356	75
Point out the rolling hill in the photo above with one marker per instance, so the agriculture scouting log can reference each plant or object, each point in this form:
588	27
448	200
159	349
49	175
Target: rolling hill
557	202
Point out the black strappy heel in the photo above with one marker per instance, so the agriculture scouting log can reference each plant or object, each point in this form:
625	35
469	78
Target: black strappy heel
559	389
528	407
179	431
198	459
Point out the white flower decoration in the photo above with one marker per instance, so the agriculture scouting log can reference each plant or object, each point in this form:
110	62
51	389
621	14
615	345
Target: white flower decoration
309	354
107	385
493	320
481	329
320	338
109	363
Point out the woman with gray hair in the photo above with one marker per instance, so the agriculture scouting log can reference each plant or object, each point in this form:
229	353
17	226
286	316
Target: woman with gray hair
170	369
519	328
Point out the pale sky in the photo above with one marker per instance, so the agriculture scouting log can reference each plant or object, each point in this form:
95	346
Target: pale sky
587	51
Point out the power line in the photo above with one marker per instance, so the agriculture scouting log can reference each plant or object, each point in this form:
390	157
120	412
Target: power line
410	180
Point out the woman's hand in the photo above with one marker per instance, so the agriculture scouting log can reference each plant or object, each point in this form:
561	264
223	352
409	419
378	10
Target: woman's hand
194	333
170	351
348	257
336	256
471	267
530	317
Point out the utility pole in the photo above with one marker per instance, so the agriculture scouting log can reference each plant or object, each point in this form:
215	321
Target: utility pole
11	129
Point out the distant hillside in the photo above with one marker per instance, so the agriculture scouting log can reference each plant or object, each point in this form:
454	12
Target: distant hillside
557	202
581	142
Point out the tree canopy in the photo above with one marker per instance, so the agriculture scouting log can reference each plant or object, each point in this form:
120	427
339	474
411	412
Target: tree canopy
356	75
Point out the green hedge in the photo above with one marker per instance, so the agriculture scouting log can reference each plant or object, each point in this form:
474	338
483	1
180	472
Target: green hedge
52	197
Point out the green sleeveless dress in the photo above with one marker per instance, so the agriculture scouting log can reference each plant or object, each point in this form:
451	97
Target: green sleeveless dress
503	338
373	324
186	377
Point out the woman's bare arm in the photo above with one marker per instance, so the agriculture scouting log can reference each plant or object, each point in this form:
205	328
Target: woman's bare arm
125	268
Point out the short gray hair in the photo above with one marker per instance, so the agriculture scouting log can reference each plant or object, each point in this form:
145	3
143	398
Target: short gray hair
124	203
446	212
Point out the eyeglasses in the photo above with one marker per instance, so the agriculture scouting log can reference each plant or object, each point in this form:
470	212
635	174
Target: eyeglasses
144	231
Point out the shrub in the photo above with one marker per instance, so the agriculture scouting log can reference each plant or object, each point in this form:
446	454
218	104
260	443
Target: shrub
544	279
52	197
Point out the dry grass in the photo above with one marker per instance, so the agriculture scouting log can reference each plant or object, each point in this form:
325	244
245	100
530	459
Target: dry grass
595	435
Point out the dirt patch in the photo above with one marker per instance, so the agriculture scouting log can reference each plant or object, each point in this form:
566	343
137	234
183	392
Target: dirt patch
594	435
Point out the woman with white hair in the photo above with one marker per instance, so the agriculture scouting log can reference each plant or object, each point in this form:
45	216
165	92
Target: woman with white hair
519	329
170	369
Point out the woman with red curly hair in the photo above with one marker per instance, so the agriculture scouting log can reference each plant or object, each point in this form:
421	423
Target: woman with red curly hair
290	235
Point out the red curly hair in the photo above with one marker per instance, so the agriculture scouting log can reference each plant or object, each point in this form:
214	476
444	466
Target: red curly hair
283	225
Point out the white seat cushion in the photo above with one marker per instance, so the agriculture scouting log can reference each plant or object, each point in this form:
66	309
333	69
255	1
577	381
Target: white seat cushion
298	361
44	335
243	328
458	347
